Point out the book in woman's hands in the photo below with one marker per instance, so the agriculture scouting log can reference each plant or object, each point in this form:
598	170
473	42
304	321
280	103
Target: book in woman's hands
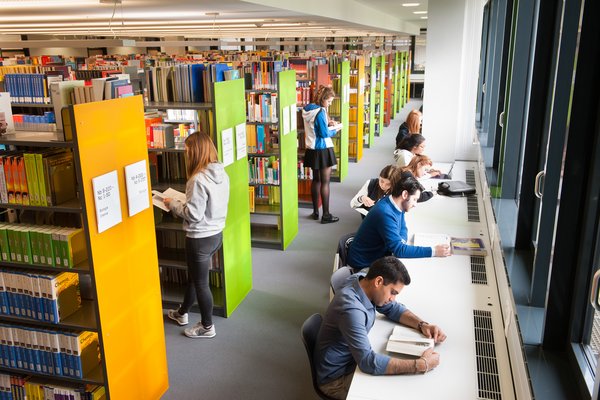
157	197
405	341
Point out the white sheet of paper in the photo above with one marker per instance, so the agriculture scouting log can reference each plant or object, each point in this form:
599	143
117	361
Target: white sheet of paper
107	200
361	86
136	183
227	146
293	117
240	140
347	97
286	120
431	239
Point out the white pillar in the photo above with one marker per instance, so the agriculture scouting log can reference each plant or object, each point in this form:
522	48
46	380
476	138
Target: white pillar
451	76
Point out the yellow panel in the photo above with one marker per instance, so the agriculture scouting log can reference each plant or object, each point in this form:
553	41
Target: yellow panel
111	135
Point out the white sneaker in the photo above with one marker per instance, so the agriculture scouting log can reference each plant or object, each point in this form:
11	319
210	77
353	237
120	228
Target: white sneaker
175	316
198	332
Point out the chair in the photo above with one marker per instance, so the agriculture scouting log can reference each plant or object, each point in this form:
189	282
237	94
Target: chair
339	277
344	245
309	331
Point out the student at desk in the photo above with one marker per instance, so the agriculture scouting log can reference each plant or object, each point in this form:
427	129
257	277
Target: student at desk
342	342
384	232
373	190
408	148
417	168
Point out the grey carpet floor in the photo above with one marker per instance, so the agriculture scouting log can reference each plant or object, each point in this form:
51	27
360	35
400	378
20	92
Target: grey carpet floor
258	353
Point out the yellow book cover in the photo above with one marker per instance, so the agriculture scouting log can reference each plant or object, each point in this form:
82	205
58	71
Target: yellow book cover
75	247
65	292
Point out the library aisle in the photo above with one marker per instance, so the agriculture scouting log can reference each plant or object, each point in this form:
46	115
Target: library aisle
257	353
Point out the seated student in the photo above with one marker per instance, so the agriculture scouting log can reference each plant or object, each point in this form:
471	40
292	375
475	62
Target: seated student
410	126
411	145
342	342
373	189
384	232
416	168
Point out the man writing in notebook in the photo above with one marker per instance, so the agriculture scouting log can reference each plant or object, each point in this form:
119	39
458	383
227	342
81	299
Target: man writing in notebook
384	231
342	342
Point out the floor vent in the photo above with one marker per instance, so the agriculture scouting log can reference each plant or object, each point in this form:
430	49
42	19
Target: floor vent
478	273
470	177
488	380
472	209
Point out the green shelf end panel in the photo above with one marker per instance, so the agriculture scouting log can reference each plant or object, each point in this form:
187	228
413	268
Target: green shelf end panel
345	119
230	112
381	87
372	93
289	157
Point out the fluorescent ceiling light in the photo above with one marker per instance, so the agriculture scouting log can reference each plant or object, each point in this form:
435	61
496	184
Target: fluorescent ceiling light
423	17
410	4
419	12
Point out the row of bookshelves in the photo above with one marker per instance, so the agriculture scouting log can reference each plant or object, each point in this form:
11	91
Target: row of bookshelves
51	352
45	178
17	387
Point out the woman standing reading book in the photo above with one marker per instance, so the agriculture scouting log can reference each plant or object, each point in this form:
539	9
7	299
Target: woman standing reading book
319	154
204	214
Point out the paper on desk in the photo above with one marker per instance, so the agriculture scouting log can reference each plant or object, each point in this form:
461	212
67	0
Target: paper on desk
431	239
157	197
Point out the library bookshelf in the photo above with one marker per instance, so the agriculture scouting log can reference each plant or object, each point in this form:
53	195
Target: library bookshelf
120	300
272	155
339	111
231	272
356	113
370	101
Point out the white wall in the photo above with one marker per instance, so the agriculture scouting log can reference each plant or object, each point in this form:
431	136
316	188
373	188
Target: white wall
59	51
453	45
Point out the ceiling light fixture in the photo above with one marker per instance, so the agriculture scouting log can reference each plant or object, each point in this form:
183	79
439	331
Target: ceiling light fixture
410	4
419	12
423	17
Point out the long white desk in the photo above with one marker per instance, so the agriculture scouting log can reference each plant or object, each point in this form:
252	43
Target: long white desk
442	292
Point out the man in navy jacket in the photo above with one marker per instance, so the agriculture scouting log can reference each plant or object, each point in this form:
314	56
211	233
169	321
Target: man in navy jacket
384	232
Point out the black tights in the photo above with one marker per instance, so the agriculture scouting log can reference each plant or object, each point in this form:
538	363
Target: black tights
320	186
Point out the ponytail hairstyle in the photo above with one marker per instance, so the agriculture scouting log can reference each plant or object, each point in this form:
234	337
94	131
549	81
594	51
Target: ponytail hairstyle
413	120
200	151
322	94
417	162
388	173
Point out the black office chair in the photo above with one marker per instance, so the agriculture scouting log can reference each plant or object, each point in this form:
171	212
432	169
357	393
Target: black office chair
309	332
344	245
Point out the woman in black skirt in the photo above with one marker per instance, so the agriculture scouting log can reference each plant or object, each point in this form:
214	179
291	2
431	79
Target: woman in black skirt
318	130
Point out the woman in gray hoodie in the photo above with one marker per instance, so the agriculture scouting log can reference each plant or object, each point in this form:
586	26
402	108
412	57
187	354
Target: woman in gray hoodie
204	214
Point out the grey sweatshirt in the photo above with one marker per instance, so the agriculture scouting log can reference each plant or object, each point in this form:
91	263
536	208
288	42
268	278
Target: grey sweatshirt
205	209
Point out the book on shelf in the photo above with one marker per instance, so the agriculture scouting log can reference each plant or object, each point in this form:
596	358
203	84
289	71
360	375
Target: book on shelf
158	197
472	246
407	341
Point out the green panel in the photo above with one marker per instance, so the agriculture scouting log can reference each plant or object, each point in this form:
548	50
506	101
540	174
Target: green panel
288	158
345	87
381	88
372	93
230	110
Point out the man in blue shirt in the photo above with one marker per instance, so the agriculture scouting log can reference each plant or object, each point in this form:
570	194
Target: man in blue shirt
342	343
384	232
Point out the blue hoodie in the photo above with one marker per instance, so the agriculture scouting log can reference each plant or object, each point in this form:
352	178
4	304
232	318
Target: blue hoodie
316	130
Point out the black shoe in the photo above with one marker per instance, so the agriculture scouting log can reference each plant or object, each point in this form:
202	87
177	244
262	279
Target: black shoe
328	219
314	216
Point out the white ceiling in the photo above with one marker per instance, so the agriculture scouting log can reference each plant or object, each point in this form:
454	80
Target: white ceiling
211	18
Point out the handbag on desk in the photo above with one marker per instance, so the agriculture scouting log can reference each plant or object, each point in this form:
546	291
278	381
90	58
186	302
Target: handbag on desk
455	189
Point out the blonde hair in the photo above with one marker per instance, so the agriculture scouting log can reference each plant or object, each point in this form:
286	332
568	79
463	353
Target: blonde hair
200	151
417	162
413	120
323	93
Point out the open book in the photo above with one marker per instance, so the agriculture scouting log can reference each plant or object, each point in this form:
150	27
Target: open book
157	197
405	341
336	127
458	246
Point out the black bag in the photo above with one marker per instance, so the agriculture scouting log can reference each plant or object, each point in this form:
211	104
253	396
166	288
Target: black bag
455	189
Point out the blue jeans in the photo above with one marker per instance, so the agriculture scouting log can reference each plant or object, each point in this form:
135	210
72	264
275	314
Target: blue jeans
198	254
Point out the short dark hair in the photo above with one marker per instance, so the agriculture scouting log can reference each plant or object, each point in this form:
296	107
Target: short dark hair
408	183
390	269
411	141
